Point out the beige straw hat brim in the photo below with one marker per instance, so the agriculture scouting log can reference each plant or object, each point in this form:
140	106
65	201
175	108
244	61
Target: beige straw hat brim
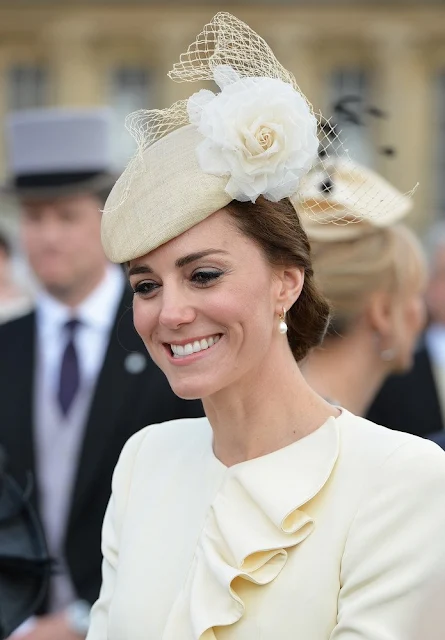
357	202
167	197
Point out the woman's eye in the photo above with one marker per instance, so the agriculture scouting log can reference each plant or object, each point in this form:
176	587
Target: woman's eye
203	278
145	288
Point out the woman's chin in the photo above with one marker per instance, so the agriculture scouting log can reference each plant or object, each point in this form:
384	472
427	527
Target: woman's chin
192	390
187	395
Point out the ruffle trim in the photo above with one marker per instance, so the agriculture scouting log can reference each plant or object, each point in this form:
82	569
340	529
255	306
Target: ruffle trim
255	519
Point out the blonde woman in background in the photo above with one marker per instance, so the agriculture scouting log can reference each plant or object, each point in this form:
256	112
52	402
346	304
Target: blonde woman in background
415	401
373	273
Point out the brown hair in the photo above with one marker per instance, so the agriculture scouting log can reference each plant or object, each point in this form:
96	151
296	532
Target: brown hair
276	228
349	271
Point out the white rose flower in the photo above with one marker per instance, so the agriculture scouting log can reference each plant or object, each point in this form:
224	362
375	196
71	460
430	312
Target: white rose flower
258	131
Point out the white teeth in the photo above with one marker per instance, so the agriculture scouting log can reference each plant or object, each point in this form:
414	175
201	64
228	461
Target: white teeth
180	350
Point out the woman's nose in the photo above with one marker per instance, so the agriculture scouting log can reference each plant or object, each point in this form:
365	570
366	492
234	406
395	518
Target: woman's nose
176	309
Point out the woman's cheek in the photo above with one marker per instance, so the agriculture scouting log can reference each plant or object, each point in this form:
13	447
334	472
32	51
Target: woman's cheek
142	318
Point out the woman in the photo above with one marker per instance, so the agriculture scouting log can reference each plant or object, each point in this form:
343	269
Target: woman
373	273
278	515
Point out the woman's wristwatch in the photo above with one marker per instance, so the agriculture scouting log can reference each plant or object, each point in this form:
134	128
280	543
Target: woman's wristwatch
78	616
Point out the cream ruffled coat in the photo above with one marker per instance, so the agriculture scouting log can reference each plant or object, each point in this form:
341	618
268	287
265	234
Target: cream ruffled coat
339	536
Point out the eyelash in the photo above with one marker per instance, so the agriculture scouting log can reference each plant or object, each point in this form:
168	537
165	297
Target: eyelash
141	288
201	279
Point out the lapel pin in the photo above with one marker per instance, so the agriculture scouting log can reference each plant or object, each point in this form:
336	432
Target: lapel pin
135	362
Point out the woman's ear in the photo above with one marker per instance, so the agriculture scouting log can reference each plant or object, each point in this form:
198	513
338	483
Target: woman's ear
290	283
379	314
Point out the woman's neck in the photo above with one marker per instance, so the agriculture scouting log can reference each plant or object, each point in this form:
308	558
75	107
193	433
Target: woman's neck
268	409
346	371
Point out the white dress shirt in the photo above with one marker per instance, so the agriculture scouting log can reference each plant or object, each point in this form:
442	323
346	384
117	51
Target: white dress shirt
435	344
96	315
58	438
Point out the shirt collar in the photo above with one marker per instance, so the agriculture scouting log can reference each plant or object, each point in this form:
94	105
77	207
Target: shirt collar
98	310
435	341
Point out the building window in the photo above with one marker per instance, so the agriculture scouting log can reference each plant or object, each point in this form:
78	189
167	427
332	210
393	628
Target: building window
130	90
439	151
27	87
352	82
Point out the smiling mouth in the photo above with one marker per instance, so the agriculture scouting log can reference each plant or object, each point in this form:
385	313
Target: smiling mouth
184	350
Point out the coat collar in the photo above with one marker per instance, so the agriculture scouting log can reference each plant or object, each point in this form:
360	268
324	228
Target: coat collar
257	516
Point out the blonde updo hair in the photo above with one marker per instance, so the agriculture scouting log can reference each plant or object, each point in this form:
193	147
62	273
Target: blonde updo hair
349	271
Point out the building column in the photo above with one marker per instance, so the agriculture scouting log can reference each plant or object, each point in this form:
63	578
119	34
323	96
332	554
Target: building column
167	45
402	91
4	66
77	81
294	47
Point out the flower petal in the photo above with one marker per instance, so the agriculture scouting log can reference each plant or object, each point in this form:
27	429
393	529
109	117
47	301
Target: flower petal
259	131
196	104
224	75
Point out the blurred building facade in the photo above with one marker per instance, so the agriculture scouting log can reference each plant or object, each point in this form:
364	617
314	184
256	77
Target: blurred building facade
390	54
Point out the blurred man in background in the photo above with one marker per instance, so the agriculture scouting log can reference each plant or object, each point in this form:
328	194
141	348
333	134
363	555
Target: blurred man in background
76	381
415	402
13	301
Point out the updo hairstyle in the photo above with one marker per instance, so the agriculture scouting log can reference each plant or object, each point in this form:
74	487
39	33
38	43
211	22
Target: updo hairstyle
349	271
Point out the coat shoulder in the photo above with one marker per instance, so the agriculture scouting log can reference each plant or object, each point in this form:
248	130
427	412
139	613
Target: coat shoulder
170	441
17	341
373	446
15	328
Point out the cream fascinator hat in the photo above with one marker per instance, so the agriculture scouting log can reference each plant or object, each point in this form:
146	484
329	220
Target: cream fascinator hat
258	136
348	192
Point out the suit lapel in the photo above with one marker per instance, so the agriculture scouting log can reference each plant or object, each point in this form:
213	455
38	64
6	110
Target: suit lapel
107	401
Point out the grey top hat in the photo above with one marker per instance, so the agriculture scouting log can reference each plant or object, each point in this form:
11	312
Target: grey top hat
57	152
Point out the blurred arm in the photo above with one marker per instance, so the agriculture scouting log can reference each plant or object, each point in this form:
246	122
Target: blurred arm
113	520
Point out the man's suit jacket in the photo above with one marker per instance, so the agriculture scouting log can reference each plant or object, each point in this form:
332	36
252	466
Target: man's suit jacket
123	403
438	438
410	402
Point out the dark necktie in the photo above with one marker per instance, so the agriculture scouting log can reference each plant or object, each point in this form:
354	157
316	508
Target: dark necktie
69	370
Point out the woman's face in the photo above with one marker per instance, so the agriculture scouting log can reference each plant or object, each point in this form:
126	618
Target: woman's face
205	306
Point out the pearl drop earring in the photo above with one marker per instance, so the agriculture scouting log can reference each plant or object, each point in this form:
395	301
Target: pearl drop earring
282	327
387	355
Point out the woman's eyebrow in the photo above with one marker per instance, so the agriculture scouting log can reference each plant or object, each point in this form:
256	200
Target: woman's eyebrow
192	257
139	268
180	262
